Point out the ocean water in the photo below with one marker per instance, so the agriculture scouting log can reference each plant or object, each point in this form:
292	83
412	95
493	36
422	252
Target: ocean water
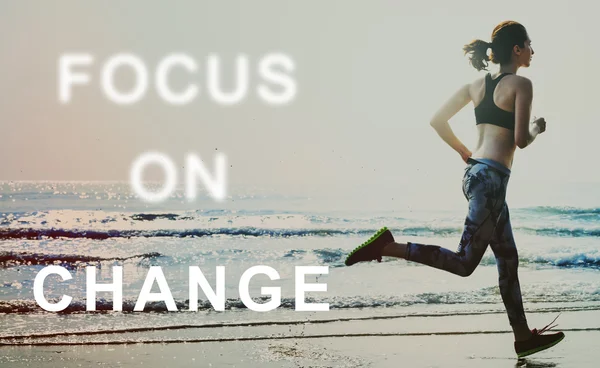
76	225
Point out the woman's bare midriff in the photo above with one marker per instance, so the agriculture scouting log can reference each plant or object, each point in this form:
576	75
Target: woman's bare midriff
495	143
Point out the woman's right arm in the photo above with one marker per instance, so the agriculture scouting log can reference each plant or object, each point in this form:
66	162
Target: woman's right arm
525	132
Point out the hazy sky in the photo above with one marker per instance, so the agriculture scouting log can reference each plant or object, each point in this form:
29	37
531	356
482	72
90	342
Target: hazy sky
370	75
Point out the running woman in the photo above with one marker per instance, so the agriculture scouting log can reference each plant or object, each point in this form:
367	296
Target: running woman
502	114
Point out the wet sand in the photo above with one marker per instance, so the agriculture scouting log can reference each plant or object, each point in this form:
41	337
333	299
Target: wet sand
449	341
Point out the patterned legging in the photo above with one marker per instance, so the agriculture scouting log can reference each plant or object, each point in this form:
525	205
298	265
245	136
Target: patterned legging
487	223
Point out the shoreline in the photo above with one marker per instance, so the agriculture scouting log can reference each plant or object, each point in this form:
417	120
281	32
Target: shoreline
425	341
492	350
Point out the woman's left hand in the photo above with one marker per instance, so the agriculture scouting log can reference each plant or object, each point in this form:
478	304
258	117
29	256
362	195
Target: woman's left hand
465	154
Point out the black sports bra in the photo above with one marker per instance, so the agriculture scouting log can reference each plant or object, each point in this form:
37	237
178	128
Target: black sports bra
487	111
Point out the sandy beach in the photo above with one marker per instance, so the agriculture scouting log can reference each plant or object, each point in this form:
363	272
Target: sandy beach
447	341
388	314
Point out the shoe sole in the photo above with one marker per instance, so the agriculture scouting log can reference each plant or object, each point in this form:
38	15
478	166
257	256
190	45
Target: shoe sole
366	243
537	350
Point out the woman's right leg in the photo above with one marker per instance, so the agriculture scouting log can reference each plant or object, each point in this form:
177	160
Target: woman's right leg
485	190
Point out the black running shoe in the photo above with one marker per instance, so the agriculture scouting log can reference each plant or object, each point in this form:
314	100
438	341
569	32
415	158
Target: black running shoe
371	249
538	342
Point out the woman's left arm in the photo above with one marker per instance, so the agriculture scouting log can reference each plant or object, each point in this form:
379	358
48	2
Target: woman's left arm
440	120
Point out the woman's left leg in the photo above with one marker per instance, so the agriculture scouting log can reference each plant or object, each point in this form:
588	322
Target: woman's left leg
507	260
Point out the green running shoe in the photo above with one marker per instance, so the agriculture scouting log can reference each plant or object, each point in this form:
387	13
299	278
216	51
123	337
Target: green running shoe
538	342
371	249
